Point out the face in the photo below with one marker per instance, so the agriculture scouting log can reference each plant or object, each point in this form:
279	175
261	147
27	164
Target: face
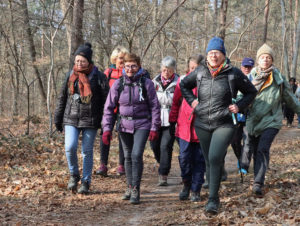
167	72
131	68
246	69
192	66
215	58
265	61
120	60
81	62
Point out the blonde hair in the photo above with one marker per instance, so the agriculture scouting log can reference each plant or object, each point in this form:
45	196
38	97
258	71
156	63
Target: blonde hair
116	52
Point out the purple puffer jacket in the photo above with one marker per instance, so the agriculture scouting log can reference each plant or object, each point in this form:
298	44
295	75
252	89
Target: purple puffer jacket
134	112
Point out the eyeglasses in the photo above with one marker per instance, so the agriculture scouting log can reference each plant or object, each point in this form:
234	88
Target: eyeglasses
214	53
132	67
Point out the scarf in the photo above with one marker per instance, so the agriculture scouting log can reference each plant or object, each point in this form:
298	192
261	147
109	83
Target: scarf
83	83
215	71
166	82
261	77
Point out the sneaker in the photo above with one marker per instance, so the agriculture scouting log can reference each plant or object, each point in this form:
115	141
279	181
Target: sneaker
102	170
205	185
289	125
185	192
243	171
84	188
73	181
212	206
121	170
257	190
195	197
135	196
127	193
162	180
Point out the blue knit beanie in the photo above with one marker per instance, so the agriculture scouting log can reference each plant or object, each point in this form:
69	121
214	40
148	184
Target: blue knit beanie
216	43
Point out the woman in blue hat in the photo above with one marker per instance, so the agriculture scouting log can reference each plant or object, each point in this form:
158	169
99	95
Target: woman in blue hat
217	83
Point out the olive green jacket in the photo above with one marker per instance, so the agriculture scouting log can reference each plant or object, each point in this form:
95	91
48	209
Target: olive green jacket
266	109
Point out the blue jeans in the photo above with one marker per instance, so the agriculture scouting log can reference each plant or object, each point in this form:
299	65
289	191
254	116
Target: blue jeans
71	143
192	164
134	146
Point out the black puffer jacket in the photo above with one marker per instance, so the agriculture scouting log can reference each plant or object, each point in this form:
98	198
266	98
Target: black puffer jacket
214	95
72	112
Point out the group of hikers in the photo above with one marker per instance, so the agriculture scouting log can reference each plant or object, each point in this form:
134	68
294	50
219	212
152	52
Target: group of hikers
214	105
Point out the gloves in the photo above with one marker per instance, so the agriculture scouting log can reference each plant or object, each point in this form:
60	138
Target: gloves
106	137
153	135
172	128
59	127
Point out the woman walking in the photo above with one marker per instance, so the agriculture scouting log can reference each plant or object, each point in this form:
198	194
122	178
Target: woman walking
217	82
79	109
264	118
139	109
165	84
113	73
190	157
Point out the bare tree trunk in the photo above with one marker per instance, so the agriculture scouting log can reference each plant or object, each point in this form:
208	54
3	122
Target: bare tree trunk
77	36
265	24
285	52
109	31
224	6
64	4
205	22
31	49
216	11
295	54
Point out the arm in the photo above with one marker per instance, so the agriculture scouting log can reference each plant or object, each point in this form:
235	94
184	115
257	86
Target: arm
154	105
61	102
248	90
187	85
177	99
109	106
289	98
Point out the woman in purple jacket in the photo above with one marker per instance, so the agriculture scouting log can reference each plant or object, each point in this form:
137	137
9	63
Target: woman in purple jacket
139	110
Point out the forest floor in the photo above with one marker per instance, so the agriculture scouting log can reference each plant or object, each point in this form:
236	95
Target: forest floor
34	177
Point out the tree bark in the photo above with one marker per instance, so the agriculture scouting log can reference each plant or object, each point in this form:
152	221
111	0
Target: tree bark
285	52
223	15
265	24
295	54
32	51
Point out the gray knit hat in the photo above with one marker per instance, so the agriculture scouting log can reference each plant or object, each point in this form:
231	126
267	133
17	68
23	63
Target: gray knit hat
265	49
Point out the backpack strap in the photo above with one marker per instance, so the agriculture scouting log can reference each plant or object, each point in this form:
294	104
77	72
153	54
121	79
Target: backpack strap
109	74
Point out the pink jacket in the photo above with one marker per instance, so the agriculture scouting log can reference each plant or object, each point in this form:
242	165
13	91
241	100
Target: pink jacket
182	113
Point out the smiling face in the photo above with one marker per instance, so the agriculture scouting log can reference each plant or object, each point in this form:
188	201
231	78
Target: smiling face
131	68
265	61
81	62
215	58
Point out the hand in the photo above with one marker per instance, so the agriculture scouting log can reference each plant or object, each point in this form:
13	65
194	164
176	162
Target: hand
153	135
106	137
172	128
59	127
233	108
195	103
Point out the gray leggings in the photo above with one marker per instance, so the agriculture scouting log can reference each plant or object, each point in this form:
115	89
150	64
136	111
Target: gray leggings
134	146
214	147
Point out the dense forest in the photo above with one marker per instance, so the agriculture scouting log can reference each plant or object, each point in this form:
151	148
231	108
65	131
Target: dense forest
38	39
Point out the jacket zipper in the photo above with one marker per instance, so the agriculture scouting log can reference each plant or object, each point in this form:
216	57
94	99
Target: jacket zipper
212	82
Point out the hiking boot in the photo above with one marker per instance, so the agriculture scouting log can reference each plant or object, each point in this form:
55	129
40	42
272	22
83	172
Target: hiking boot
135	196
162	180
84	188
127	193
257	189
121	170
73	181
224	174
212	206
185	192
102	170
195	196
205	185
